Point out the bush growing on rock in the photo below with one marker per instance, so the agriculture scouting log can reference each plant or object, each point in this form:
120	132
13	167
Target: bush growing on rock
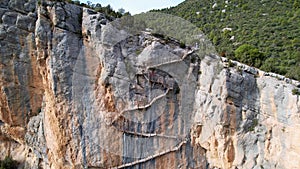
296	92
249	55
8	163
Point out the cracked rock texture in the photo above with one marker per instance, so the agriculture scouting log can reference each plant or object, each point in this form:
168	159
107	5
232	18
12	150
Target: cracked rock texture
76	92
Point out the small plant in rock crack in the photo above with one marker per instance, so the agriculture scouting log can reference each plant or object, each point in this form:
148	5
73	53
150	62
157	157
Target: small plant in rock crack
231	64
296	91
240	70
253	125
182	45
8	163
138	52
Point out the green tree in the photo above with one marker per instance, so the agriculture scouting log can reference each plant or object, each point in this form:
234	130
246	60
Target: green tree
296	4
249	55
294	73
121	11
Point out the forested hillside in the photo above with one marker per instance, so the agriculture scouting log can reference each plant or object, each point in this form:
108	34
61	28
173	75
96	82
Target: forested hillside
260	33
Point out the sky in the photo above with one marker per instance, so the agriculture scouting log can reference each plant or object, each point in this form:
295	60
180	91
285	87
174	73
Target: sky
136	6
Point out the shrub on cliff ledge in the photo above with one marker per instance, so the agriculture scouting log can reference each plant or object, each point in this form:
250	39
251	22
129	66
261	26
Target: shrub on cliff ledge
8	163
253	125
249	55
295	92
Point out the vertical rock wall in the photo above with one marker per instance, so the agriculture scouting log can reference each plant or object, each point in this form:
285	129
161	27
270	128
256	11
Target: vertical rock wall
76	92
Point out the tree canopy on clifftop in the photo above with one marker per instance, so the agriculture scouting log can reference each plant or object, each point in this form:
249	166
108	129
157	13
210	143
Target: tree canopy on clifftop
270	28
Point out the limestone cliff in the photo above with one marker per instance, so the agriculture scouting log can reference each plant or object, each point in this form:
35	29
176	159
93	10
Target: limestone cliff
79	92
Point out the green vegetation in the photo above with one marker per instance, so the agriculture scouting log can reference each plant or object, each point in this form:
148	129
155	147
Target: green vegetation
182	45
266	33
107	10
168	27
253	125
230	64
8	163
138	52
295	92
249	55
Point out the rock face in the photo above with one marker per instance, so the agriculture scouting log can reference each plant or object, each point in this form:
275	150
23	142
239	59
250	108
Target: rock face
76	92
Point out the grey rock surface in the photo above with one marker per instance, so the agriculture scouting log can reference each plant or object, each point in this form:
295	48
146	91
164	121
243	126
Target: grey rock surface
79	91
